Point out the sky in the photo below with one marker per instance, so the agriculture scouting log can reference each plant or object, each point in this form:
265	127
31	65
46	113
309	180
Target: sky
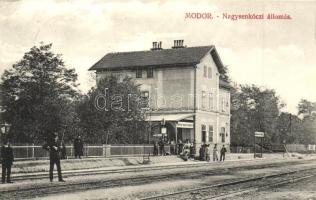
276	54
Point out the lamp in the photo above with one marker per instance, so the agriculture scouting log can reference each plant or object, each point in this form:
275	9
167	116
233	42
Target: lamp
5	128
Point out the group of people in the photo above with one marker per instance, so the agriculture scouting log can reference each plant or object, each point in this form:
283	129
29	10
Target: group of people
187	149
205	153
56	149
159	148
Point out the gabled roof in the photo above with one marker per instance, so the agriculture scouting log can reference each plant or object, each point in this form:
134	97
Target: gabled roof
157	58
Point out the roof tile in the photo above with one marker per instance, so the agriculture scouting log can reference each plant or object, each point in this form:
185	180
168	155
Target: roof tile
164	57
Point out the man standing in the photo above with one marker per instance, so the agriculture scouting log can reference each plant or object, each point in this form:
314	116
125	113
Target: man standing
7	159
78	147
155	148
207	152
223	151
215	156
54	147
161	147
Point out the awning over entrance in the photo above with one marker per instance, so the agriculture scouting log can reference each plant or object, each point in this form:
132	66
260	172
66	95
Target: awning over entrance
169	117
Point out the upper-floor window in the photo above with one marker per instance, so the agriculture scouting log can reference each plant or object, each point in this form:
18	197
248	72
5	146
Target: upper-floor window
144	103
144	95
150	72
209	72
205	71
139	73
203	99
210	133
223	105
211	101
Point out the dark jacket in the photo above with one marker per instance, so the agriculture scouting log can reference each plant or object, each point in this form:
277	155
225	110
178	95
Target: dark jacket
7	156
78	146
54	149
223	150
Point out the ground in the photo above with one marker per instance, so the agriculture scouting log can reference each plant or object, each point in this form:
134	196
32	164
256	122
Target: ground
302	190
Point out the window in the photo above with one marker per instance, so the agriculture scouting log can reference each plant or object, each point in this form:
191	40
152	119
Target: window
138	73
144	103
205	71
150	72
223	105
209	74
203	99
210	133
211	101
144	95
203	133
222	134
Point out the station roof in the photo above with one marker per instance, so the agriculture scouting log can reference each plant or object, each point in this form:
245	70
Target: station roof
185	56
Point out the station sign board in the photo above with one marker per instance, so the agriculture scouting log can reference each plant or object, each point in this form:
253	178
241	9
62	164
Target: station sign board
163	130
184	125
259	134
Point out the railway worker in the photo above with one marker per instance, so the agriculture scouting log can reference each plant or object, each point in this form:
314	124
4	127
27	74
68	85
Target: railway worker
78	147
54	147
180	146
202	153
215	156
223	152
161	147
7	159
155	148
207	152
192	151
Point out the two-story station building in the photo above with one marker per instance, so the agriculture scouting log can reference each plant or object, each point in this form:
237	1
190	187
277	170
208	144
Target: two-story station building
184	86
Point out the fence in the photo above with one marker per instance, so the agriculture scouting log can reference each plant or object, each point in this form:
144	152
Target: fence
302	148
37	152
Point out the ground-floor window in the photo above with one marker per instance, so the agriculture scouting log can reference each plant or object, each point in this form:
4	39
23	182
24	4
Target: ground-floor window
223	134
210	133
203	133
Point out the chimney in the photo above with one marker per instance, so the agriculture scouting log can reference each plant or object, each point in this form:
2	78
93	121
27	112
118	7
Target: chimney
178	44
160	45
156	46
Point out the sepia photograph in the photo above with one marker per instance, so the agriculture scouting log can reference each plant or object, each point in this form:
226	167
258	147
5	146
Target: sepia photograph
158	99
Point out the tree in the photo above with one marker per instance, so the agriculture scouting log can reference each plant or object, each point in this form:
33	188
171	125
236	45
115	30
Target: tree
308	110
254	109
36	91
113	112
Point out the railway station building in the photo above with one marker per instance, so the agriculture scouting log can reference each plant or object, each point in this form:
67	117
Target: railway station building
186	92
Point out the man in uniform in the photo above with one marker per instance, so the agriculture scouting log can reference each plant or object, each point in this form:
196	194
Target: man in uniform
54	147
223	151
78	146
7	159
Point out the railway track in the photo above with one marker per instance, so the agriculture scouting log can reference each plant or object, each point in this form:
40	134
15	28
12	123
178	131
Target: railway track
209	192
50	189
44	175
